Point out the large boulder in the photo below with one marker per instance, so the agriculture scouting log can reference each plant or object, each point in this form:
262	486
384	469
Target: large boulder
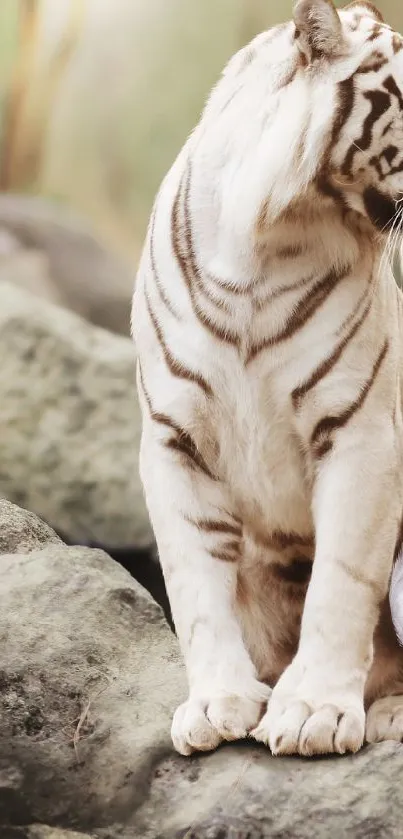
49	250
69	423
41	831
90	676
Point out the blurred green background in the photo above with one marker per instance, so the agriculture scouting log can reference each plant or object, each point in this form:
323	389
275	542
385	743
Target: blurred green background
97	96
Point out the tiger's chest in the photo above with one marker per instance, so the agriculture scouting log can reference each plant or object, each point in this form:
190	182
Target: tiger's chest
258	453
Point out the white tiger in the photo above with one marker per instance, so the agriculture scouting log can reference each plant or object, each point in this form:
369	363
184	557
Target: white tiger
270	355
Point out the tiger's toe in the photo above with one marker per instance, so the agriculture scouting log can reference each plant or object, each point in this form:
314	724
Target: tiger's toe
385	720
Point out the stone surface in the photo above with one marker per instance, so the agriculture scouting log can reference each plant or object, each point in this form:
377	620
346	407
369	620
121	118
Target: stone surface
243	793
143	565
69	423
90	675
41	831
48	250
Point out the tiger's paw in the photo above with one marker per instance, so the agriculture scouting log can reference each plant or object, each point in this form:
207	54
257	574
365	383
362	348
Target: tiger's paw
310	714
385	720
200	726
294	727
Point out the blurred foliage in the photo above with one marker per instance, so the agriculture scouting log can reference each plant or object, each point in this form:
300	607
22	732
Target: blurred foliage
97	97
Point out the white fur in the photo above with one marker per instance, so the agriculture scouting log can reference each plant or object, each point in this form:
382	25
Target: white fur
245	155
396	597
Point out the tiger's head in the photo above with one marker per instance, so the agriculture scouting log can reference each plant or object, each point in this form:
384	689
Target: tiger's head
356	60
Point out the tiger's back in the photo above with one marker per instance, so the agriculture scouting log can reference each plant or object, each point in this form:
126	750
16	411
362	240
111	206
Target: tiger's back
268	334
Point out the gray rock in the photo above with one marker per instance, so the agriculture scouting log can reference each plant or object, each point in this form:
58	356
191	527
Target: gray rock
47	249
89	676
69	423
89	679
41	831
242	793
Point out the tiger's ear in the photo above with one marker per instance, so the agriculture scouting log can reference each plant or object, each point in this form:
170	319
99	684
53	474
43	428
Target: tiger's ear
365	6
318	29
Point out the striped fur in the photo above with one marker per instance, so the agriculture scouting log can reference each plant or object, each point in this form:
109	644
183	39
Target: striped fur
269	336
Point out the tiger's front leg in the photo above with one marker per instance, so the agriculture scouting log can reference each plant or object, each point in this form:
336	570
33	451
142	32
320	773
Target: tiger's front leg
199	544
317	706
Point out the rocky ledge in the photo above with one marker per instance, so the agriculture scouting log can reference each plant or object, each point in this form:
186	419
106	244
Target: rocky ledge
70	423
90	675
